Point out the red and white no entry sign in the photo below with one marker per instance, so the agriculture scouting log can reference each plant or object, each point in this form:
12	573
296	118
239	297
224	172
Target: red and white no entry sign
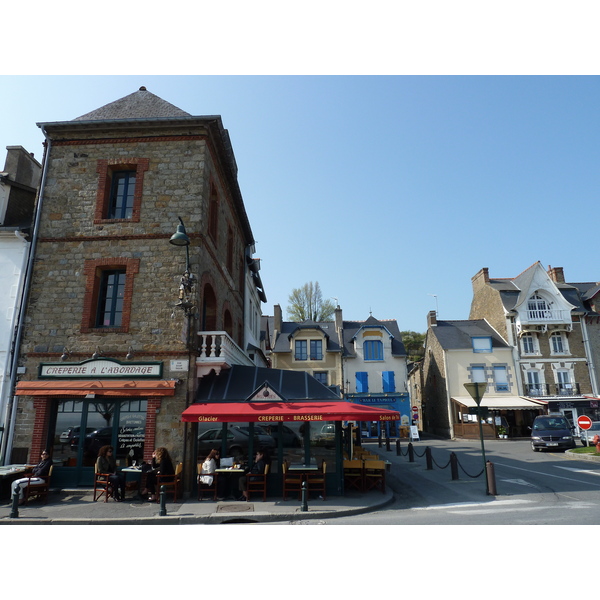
584	422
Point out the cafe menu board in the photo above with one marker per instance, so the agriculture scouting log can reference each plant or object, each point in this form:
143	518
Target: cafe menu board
131	438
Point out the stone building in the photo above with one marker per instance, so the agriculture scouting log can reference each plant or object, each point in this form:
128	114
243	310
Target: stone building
19	181
120	322
552	327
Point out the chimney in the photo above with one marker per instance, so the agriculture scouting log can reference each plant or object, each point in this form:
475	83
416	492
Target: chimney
338	318
431	319
556	274
277	319
481	278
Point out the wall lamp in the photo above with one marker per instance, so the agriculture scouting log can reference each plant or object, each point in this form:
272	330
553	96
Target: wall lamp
186	285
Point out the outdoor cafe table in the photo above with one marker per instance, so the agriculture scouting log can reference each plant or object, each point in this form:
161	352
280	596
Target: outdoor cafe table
8	474
225	489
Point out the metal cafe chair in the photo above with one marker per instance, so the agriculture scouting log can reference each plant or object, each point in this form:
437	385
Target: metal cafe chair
257	482
292	482
38	490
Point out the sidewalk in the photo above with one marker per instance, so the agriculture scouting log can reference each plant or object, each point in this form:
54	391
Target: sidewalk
76	507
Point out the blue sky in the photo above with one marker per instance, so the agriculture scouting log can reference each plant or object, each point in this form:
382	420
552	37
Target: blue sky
387	190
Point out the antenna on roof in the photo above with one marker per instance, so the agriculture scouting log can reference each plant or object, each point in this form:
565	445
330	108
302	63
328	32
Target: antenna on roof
436	304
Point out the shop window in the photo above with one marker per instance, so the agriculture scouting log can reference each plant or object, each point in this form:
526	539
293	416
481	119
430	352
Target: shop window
109	290
373	350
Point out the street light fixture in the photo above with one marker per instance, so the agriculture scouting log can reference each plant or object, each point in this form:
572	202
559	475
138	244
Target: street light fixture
180	238
476	390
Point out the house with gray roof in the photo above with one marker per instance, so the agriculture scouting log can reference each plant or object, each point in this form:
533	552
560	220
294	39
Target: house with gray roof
553	327
365	361
470	351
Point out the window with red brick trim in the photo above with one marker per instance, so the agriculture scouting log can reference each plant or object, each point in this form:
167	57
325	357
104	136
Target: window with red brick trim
213	212
109	290
120	185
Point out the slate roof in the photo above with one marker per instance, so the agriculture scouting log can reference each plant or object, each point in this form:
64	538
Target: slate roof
351	329
282	344
456	335
139	105
240	382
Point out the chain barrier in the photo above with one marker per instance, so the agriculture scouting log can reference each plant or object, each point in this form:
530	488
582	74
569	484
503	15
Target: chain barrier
453	461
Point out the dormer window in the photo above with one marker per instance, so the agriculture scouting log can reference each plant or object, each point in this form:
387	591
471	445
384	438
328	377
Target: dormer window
373	350
482	344
537	308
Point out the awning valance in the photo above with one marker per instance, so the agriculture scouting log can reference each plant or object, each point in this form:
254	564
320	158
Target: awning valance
508	403
99	387
246	412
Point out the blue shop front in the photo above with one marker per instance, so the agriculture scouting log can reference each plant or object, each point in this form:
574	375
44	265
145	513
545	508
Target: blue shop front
399	402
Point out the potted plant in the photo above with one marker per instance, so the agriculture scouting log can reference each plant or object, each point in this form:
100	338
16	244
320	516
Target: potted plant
502	432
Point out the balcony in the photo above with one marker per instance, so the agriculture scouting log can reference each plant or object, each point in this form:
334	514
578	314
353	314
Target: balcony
538	390
218	351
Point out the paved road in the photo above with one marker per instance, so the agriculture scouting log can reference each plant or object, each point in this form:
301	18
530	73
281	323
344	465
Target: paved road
532	488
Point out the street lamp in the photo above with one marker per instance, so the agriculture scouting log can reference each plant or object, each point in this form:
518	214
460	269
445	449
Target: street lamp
180	238
476	390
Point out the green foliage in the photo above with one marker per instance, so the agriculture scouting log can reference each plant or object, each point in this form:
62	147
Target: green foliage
414	343
306	304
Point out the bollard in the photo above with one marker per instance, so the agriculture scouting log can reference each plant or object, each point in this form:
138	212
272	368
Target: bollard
163	502
454	466
14	511
491	478
387	444
379	438
398	452
304	507
411	452
428	458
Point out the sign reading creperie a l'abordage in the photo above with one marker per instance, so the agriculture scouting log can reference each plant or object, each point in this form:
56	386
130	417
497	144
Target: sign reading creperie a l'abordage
98	369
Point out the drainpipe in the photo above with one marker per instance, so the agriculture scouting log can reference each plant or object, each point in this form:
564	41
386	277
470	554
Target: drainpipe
590	356
8	437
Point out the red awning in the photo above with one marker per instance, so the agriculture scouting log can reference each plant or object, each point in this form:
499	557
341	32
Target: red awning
245	412
100	387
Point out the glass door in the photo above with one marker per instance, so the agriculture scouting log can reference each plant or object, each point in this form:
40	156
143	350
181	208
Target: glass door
82	427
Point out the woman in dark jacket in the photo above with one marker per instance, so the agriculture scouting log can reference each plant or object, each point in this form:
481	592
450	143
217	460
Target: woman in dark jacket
259	465
106	463
42	469
161	464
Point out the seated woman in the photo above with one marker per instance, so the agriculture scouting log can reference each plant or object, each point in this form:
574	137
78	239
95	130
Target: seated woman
208	468
42	469
260	462
106	463
161	464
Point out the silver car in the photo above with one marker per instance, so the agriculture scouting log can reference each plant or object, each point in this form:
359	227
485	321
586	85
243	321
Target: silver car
588	434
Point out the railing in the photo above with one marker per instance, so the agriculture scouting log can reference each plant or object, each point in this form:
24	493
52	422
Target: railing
536	390
218	350
546	315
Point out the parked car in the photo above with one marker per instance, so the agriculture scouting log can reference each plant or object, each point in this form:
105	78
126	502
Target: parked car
588	434
66	436
237	441
552	432
289	437
326	437
94	440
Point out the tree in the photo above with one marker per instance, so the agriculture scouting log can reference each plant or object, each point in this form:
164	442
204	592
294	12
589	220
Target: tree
414	344
306	304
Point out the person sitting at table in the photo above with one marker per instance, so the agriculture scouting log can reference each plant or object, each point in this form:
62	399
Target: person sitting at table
42	469
260	462
208	468
161	464
106	463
